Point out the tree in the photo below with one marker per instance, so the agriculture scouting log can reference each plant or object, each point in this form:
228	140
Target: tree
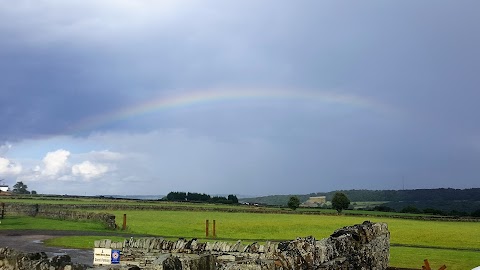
411	209
177	196
197	197
340	201
383	208
20	188
293	203
476	213
232	198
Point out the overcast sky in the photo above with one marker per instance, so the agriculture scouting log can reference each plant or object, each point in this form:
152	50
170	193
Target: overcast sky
245	97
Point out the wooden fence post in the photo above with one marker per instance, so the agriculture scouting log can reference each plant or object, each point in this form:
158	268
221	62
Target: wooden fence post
206	228
124	226
426	266
214	232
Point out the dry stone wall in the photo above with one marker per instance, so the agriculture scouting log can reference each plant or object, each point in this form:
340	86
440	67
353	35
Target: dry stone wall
360	247
14	260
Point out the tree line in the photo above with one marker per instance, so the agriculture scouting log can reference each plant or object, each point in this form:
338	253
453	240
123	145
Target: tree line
444	194
200	197
360	195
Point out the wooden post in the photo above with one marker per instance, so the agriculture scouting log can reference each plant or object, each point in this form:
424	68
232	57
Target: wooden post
427	264
3	209
214	233
206	228
124	226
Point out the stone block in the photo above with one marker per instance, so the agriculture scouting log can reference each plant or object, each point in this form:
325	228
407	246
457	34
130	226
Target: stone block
226	258
108	243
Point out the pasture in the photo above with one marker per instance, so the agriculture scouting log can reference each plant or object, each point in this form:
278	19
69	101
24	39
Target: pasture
412	240
258	226
456	244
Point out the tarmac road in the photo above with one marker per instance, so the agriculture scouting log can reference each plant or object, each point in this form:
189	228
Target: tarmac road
32	241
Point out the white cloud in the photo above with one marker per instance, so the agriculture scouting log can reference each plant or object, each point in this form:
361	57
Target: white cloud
55	162
89	170
8	167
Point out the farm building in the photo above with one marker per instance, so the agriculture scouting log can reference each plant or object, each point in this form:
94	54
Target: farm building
315	201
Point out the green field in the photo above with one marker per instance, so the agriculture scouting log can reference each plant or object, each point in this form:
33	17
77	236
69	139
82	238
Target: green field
26	223
412	240
286	226
456	244
197	206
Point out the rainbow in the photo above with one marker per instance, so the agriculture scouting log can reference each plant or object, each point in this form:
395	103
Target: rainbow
210	96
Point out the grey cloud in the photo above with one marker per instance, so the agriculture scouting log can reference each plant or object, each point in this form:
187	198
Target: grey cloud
65	62
45	91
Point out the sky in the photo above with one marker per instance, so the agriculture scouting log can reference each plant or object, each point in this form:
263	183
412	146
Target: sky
239	97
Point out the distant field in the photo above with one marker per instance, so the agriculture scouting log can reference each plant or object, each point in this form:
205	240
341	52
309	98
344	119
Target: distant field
199	206
90	201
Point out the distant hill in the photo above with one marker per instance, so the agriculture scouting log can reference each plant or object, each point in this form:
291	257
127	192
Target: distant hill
412	195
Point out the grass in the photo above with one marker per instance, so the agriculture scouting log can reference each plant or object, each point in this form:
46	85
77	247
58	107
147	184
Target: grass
435	233
408	257
360	212
28	223
80	242
229	225
284	226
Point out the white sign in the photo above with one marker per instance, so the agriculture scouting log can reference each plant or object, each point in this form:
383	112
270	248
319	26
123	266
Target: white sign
102	256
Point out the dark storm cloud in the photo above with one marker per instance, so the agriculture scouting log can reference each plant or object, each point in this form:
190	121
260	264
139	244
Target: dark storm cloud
44	91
